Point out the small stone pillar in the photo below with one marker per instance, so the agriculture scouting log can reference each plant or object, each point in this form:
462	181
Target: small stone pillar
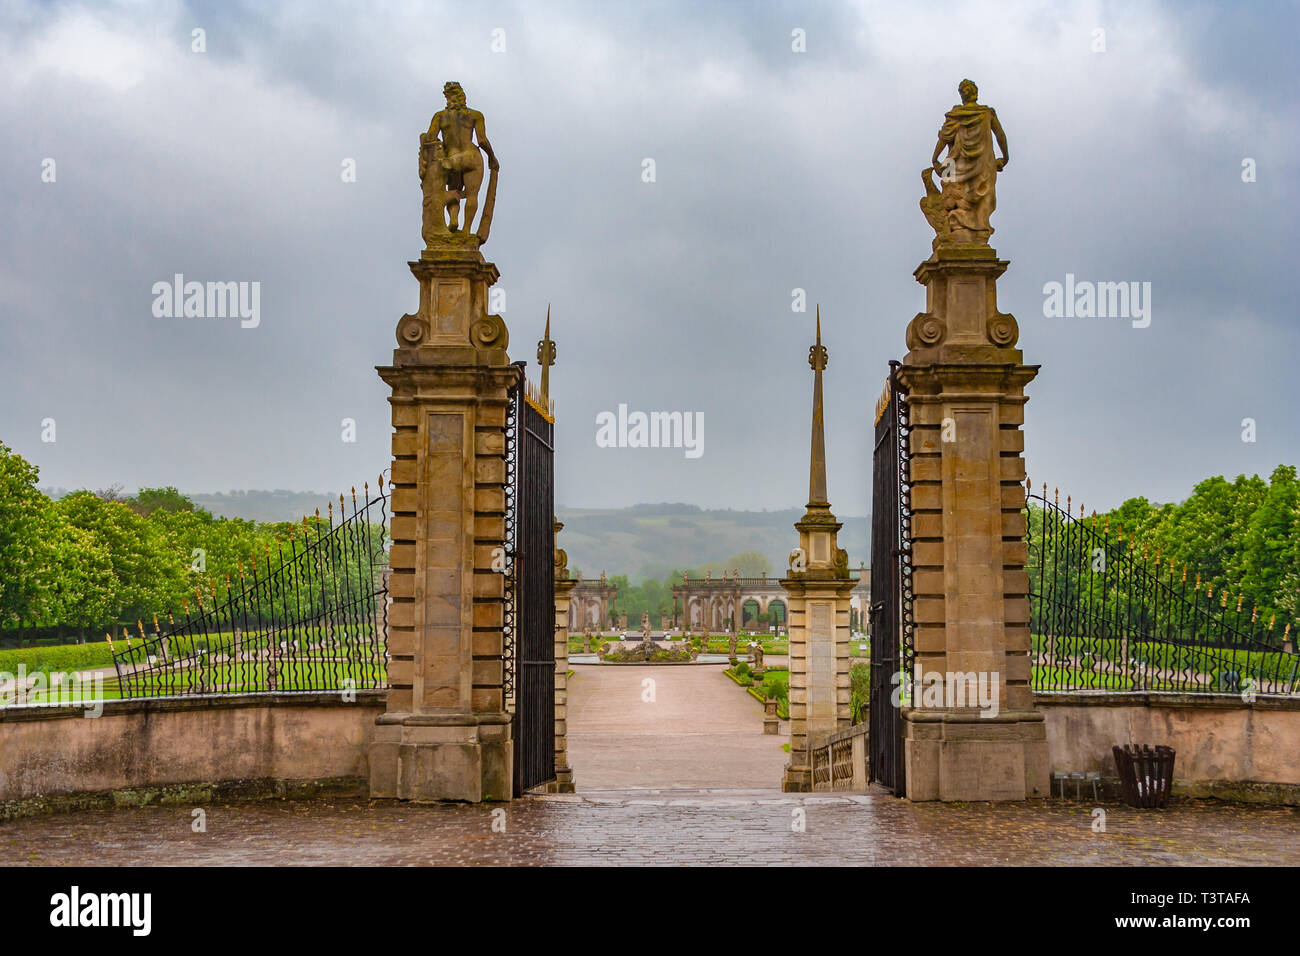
771	720
966	399
564	585
818	588
446	733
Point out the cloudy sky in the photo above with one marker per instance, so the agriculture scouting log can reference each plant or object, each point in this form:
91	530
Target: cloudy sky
775	170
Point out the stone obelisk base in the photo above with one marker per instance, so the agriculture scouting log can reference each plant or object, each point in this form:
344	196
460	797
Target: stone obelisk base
563	782
818	604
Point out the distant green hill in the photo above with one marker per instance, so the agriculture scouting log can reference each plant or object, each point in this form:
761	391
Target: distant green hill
279	505
642	541
651	540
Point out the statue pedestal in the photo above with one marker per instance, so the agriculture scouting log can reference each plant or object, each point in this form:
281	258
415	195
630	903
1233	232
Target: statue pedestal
446	734
965	382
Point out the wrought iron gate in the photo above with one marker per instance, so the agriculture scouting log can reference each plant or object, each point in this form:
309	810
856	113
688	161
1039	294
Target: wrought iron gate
531	581
891	586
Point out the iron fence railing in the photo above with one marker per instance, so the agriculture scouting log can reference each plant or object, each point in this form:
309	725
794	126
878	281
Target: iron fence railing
1106	613
313	616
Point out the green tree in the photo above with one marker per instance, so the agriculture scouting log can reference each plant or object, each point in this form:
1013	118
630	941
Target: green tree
23	546
752	564
148	574
148	500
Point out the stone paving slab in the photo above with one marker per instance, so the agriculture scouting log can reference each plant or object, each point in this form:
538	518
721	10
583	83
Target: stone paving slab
660	828
700	730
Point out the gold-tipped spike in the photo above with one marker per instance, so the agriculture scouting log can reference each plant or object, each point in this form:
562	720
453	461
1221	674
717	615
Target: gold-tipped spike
170	620
1198	580
1056	497
1254	613
1240	598
1106	530
381	484
1184	574
1224	596
1286	632
156	628
139	624
1271	621
1068	508
546	358
109	637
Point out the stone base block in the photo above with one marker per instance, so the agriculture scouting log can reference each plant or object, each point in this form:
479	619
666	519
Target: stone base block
428	759
563	782
960	756
796	780
771	725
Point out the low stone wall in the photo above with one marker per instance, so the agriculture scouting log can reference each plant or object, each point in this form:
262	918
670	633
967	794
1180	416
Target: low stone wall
187	750
1226	748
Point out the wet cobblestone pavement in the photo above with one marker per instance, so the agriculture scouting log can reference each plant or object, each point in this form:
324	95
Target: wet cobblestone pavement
664	828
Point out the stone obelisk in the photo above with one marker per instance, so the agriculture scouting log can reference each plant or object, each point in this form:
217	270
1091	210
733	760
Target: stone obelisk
966	381
446	732
564	585
818	588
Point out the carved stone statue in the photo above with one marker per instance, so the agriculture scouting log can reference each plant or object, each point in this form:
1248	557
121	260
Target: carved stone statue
451	172
959	212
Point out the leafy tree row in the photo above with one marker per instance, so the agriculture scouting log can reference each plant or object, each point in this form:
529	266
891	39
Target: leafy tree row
92	562
1239	539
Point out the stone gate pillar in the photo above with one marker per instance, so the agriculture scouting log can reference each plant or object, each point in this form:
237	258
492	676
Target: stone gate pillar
564	585
818	588
446	734
966	397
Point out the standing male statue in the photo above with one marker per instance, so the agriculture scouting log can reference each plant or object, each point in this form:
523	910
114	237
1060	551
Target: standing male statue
451	170
960	214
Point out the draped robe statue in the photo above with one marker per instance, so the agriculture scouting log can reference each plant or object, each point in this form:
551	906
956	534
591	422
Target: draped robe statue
959	213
